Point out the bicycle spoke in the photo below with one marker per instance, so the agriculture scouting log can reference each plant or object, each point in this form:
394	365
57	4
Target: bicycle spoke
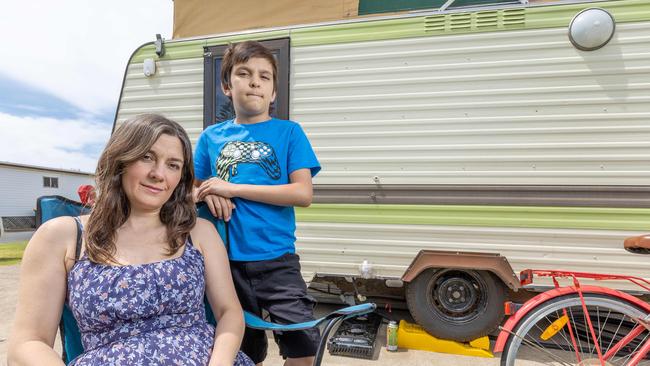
587	331
615	334
600	330
577	335
567	340
629	356
643	352
604	325
539	347
624	342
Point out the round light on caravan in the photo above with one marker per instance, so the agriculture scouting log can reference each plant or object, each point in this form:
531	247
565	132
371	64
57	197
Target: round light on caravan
591	29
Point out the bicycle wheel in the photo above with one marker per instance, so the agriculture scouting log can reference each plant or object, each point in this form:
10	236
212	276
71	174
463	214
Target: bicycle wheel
557	333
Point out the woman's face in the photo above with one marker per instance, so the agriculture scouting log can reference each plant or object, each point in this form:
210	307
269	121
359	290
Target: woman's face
150	181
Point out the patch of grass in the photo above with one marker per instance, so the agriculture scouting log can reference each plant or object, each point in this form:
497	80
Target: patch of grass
12	253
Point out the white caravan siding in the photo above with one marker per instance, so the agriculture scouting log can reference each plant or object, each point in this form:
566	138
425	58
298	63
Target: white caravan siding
332	248
515	107
176	91
21	186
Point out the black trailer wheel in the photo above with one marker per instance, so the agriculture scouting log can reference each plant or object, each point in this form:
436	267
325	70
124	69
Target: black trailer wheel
461	305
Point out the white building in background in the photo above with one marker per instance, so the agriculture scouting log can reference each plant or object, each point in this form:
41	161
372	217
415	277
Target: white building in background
21	185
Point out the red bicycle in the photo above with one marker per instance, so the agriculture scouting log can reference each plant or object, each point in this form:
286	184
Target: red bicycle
580	324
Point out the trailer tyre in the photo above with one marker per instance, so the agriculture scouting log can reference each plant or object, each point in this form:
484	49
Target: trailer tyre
461	305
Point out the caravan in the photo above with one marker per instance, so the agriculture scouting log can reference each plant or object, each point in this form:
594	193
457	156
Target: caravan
460	141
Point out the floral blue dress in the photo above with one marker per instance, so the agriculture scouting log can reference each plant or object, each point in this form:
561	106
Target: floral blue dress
148	314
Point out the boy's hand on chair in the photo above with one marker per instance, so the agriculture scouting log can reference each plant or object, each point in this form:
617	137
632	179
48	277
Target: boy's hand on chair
220	207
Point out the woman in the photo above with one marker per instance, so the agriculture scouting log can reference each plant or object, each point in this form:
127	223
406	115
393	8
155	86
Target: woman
145	263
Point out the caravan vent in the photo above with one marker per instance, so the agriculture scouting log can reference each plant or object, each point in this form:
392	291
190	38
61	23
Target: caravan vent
478	21
460	22
515	18
487	19
435	24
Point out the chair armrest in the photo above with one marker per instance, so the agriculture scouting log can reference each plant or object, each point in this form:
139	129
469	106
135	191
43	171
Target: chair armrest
255	322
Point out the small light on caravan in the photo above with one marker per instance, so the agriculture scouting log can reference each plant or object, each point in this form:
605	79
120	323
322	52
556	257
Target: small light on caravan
149	67
591	29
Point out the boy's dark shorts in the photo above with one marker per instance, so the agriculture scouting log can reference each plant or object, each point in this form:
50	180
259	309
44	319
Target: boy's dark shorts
276	286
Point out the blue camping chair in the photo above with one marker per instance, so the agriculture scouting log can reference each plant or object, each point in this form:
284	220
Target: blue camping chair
48	207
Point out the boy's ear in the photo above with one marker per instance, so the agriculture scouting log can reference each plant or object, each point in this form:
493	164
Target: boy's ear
273	97
226	90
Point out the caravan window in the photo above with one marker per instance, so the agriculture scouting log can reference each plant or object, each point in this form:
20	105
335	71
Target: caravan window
218	108
388	6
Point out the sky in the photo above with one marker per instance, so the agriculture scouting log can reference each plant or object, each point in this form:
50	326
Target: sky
61	73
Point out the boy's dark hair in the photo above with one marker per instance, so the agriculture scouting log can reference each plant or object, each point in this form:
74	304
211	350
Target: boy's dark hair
239	53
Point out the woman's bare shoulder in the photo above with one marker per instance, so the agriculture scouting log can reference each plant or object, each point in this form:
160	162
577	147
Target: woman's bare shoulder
204	228
204	233
56	237
58	227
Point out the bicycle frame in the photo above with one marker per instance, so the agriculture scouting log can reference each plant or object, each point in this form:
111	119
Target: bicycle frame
527	278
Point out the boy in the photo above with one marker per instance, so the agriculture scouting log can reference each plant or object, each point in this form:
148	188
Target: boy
265	166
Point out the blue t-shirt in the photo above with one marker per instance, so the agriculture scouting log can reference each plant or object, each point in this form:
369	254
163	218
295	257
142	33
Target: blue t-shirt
262	153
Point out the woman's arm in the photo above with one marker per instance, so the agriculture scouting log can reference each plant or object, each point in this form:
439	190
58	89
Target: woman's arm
41	294
221	294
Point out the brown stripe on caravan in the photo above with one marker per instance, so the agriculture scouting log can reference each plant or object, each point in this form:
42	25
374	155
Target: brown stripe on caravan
524	195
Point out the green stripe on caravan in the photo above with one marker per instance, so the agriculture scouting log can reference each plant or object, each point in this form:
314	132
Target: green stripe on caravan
488	216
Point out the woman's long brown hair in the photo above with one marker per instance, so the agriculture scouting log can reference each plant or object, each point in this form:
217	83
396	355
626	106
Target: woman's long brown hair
130	142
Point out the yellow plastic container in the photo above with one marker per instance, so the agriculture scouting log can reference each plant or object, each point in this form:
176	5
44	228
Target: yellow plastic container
412	336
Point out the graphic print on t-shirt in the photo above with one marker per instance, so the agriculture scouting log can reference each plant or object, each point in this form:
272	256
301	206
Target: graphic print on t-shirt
237	152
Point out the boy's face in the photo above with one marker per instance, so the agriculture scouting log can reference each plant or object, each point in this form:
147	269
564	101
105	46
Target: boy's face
251	90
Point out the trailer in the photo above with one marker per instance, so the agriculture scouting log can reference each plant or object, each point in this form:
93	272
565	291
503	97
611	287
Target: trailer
461	141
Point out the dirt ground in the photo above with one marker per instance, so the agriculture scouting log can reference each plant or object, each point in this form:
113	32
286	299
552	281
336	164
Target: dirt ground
9	292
